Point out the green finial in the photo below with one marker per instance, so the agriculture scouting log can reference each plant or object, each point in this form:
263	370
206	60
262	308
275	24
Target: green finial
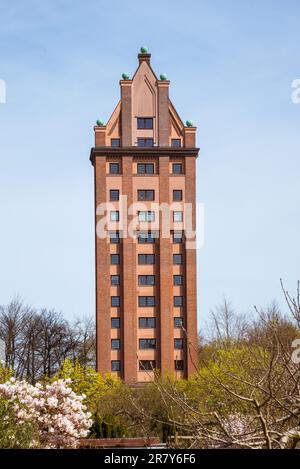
100	123
125	76
144	50
163	77
189	123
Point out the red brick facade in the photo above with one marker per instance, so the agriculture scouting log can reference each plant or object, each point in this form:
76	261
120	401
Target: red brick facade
133	335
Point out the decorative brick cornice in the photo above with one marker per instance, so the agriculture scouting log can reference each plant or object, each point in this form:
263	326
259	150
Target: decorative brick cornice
143	151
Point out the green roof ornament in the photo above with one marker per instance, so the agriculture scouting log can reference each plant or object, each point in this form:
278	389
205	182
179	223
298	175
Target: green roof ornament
144	50
189	123
125	76
100	123
163	77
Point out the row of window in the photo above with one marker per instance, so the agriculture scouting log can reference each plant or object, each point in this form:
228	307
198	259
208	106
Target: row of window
146	323
145	301
146	344
145	195
146	280
145	238
146	259
146	142
146	216
147	365
142	168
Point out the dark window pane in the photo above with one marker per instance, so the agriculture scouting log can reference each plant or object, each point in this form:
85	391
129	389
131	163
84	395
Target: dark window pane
145	238
115	279
115	365
115	301
147	323
146	301
178	323
177	237
147	168
176	142
177	195
115	142
145	142
115	259
114	237
144	259
115	344
114	168
146	279
178	280
179	365
178	344
146	195
177	168
145	123
147	365
178	301
177	259
147	343
115	323
114	195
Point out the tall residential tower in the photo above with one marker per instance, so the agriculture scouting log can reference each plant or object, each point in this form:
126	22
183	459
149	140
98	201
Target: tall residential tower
144	164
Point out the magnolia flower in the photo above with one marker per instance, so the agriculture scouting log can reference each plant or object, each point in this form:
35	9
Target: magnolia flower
55	409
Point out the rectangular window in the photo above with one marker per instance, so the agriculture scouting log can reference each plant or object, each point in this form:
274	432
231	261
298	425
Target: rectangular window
115	215
115	365
178	323
145	122
115	344
147	323
177	237
178	301
146	216
146	195
145	142
146	301
115	142
114	168
177	195
115	301
145	238
115	259
115	323
177	168
147	280
177	217
114	237
179	365
147	344
178	344
147	365
114	194
146	259
177	280
115	279
177	259
145	168
176	142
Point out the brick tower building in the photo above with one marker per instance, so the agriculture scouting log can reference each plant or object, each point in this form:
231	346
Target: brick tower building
145	283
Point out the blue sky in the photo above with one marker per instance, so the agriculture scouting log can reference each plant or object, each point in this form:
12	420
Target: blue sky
231	65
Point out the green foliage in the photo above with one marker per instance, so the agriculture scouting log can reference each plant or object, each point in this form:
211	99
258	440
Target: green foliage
5	374
13	435
85	380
